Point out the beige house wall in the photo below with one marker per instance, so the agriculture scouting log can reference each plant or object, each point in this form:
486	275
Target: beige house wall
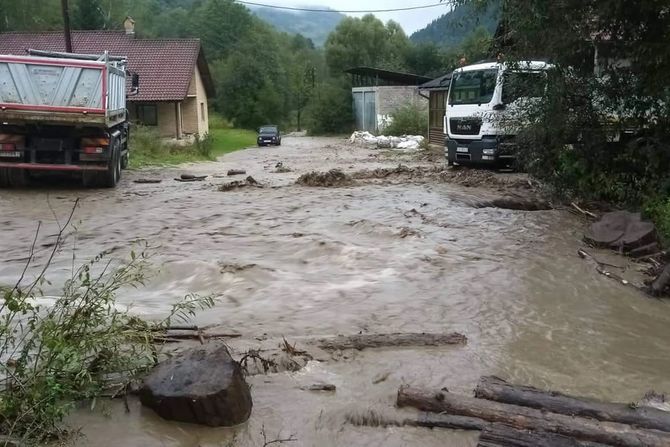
195	115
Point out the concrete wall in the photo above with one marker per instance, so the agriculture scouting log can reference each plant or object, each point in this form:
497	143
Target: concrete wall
167	119
390	98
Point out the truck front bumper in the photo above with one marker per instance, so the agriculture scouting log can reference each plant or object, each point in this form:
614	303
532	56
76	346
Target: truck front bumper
489	151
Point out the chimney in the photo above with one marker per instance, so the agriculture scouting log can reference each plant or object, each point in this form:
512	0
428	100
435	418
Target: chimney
129	25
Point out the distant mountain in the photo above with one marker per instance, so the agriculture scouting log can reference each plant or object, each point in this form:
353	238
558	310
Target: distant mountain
452	28
313	25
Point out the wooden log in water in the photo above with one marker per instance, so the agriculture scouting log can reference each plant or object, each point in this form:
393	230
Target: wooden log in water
523	418
494	388
423	419
500	435
363	341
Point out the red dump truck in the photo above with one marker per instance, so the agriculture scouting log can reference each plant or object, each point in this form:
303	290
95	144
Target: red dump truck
64	112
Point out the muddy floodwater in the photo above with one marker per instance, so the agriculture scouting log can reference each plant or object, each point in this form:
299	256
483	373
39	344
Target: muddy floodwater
303	262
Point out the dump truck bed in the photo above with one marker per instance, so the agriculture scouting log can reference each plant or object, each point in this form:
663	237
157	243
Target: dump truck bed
62	91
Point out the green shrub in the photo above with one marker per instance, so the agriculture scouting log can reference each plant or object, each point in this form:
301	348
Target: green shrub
58	354
658	211
409	119
204	145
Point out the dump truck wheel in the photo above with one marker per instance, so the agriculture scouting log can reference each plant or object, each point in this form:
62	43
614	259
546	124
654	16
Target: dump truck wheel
13	178
110	177
4	178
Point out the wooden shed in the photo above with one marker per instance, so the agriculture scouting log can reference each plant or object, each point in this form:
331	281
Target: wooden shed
437	89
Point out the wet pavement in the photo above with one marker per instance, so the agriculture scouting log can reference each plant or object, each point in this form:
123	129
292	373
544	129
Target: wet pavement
384	256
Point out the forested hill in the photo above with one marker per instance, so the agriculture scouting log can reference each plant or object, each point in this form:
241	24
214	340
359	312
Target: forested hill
453	28
313	25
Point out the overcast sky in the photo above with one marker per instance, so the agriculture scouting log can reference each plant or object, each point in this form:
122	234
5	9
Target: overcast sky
410	20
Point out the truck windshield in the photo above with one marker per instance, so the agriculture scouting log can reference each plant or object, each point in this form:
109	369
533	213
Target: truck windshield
523	84
268	129
473	87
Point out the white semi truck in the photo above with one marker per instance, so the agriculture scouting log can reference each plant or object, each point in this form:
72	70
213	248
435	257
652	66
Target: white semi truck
64	112
479	97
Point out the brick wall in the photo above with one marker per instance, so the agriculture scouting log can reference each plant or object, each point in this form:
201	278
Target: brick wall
393	97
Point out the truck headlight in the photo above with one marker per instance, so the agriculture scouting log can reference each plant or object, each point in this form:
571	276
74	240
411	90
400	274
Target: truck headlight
488	151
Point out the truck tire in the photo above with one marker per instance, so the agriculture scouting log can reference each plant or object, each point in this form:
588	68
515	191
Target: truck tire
108	178
13	178
4	178
125	160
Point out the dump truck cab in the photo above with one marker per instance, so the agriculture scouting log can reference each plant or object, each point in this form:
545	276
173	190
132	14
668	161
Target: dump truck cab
480	96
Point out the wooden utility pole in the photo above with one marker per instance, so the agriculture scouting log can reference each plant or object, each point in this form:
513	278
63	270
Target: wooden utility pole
66	26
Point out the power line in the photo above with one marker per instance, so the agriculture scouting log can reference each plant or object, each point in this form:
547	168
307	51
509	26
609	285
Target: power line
291	8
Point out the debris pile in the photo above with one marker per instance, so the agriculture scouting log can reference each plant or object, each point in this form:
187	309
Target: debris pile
248	182
334	177
405	142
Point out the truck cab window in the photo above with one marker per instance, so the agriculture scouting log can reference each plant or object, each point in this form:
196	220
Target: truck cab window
473	87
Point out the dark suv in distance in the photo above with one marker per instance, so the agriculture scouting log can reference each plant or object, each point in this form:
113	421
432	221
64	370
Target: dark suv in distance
269	135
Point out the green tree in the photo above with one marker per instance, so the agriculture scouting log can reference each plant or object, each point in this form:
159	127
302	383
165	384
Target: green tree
88	14
366	42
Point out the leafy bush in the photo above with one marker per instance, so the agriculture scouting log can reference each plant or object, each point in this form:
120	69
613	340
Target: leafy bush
53	356
203	145
331	110
410	119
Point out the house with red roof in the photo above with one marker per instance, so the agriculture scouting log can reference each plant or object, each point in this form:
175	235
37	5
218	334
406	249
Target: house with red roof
175	82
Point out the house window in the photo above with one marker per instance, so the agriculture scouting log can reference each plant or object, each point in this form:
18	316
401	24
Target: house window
147	114
438	108
202	111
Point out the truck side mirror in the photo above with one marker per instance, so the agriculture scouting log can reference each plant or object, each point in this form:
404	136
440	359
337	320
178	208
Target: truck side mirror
134	83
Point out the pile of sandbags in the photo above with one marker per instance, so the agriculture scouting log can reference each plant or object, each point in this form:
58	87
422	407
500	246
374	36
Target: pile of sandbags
405	143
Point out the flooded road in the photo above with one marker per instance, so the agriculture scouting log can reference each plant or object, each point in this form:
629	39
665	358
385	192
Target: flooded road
300	262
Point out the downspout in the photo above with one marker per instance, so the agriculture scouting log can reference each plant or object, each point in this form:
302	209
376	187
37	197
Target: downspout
177	111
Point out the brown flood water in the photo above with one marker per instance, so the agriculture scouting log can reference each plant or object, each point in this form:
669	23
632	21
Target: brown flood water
304	262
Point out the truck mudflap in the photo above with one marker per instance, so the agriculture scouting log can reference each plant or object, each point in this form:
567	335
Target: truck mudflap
52	167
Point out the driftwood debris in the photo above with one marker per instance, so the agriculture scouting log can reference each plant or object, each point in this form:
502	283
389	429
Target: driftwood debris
496	389
523	418
248	182
424	419
364	341
233	172
147	180
191	178
500	435
583	211
601	268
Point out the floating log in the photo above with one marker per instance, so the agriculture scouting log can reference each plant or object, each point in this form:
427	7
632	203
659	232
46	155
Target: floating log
424	419
494	388
500	435
523	418
364	341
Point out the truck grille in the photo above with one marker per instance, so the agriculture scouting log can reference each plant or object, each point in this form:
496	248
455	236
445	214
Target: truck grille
465	126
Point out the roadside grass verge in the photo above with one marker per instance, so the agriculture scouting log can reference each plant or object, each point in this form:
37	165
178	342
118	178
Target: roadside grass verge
148	149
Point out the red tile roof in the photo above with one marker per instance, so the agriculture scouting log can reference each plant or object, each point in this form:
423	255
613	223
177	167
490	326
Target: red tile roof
165	66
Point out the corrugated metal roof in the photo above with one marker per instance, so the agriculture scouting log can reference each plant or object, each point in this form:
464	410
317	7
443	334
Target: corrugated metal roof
441	83
387	75
165	66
